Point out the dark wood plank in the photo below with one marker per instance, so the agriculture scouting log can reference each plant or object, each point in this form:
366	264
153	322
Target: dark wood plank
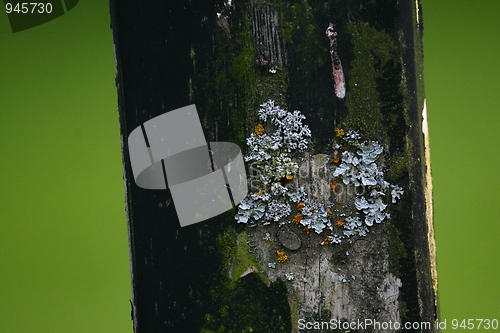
228	58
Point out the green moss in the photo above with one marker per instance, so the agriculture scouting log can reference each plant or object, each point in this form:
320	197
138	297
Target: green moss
236	255
376	107
310	85
250	306
226	241
271	86
243	258
237	87
246	304
372	49
397	168
229	66
397	249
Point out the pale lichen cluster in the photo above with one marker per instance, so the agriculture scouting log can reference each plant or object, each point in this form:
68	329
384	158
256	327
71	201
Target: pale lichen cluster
276	148
360	169
274	162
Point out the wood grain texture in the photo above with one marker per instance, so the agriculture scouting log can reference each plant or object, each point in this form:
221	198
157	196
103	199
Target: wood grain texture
228	58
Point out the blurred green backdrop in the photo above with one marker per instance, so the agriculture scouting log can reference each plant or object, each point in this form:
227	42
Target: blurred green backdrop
64	264
461	54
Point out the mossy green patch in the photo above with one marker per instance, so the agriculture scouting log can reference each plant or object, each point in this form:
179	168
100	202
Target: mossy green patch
310	85
237	87
226	242
246	304
397	249
250	306
372	49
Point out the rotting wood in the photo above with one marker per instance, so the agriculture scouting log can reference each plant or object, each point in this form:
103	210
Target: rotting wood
186	280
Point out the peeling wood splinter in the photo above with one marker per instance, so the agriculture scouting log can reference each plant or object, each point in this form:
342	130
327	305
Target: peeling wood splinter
337	71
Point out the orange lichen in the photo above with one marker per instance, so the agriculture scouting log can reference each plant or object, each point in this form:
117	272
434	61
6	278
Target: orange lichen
289	177
329	214
307	230
326	241
282	257
300	205
339	223
297	218
339	133
261	192
335	159
258	130
333	185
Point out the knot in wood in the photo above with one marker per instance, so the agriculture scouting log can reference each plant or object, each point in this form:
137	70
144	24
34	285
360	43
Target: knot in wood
289	239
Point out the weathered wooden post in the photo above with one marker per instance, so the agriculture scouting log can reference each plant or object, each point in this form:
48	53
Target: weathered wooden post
337	224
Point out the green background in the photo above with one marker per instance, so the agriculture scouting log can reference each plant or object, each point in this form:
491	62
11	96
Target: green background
64	262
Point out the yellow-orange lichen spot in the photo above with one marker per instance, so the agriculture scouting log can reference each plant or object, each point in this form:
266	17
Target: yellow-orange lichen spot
261	192
300	205
339	223
297	218
329	214
333	185
339	132
282	257
325	241
335	159
289	177
258	130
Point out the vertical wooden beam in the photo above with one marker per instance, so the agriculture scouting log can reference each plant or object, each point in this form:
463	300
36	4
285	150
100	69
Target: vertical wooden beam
228	57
